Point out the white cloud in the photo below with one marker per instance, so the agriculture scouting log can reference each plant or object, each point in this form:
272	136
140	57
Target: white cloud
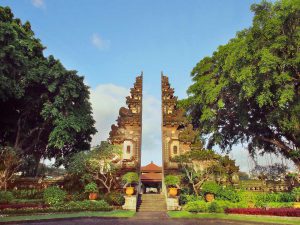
38	3
99	42
106	101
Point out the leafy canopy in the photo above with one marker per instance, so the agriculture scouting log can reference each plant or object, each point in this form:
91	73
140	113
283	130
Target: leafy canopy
249	89
45	109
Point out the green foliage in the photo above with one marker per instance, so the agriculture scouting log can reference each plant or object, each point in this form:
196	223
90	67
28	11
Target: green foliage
99	205
279	205
28	194
228	193
172	180
196	206
54	195
130	178
296	192
248	90
72	206
78	196
185	198
115	198
45	109
248	196
6	196
91	188
211	187
214	207
275	197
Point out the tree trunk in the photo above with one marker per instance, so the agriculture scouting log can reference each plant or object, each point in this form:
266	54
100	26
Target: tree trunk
5	185
195	190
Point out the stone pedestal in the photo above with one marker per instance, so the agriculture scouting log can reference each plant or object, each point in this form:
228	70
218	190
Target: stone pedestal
130	203
173	204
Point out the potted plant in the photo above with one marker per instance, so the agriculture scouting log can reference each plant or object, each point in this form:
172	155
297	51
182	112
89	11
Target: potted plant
210	189
129	179
172	182
92	189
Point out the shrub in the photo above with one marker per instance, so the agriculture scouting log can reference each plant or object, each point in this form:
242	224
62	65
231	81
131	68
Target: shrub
275	197
228	193
100	205
214	207
36	201
172	180
130	177
115	198
247	196
91	188
286	197
73	206
28	194
280	204
78	196
296	193
196	206
185	198
211	187
6	196
54	195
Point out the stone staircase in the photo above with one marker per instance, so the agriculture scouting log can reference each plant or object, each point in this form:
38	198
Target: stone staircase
151	203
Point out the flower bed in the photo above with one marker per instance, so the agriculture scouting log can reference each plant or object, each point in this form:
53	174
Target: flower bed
270	212
21	205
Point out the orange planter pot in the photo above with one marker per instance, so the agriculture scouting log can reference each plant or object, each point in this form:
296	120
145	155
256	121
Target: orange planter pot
93	196
209	197
173	192
129	191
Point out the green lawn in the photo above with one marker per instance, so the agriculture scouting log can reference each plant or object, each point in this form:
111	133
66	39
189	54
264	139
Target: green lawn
115	213
264	219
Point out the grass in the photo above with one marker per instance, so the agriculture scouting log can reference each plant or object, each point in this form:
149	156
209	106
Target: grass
115	213
262	219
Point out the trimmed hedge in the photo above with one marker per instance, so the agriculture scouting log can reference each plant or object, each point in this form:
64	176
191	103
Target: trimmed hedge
215	206
6	196
270	212
68	207
28	194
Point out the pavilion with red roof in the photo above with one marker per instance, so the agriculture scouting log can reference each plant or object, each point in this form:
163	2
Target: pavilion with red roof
151	177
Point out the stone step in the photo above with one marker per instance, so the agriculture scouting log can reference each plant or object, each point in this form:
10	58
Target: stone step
151	203
151	210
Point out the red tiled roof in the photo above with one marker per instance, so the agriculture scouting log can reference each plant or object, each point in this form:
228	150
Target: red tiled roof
151	177
151	168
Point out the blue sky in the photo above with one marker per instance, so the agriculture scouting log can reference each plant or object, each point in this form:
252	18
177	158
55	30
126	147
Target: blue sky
110	42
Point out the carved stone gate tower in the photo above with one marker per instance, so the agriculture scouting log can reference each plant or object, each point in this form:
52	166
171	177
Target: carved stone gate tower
177	134
127	134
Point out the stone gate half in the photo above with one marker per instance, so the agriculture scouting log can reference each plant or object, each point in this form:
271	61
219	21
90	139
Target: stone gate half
127	133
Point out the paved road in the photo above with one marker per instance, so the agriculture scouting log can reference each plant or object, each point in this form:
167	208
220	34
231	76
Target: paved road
133	221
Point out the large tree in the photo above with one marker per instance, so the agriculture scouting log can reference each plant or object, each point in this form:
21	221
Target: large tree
249	90
45	110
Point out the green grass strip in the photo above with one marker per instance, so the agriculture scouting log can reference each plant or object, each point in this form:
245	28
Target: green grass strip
249	218
115	213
